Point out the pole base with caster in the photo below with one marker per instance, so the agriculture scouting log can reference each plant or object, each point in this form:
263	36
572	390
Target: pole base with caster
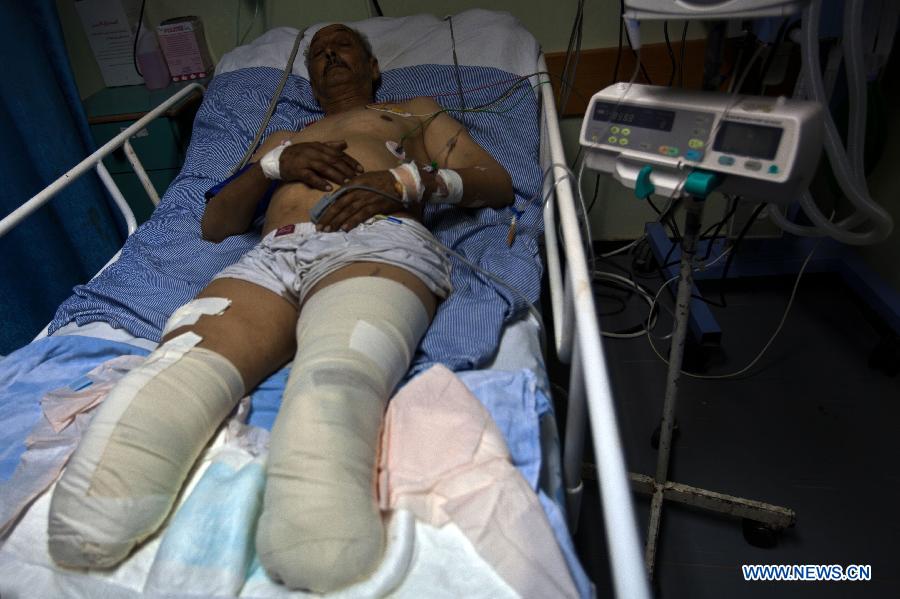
768	516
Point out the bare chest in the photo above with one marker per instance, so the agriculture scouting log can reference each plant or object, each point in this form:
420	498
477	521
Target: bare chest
368	123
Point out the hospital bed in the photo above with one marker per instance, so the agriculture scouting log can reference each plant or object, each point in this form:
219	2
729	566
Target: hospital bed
484	332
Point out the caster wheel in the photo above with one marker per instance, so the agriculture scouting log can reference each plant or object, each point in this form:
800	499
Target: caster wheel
654	438
759	534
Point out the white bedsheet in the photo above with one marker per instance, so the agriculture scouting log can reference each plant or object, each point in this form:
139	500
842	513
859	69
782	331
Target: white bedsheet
420	556
420	560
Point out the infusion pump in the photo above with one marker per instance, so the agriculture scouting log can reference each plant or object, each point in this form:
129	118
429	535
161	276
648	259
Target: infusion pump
764	148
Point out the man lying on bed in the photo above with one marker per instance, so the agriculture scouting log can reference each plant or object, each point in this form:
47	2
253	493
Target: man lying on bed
348	299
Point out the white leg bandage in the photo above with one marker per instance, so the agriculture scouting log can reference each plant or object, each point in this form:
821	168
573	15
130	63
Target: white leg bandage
320	528
124	477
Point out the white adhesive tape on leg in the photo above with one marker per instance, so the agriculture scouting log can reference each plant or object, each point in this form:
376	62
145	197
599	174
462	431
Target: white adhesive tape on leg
191	312
271	162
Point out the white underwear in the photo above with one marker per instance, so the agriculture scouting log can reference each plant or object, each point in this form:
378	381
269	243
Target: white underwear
292	259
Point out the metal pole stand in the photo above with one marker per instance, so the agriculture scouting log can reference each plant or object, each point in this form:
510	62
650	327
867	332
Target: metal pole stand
772	516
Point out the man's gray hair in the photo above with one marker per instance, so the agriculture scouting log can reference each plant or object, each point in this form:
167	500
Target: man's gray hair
363	39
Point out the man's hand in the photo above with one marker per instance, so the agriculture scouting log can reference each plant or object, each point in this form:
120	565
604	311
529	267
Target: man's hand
316	163
357	206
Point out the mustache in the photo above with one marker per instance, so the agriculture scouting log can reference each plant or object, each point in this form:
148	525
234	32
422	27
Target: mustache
334	61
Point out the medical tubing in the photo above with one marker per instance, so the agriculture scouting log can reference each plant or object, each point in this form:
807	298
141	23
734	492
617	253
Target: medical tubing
793	228
842	229
788	226
577	180
587	219
780	219
375	190
430	239
271	110
852	187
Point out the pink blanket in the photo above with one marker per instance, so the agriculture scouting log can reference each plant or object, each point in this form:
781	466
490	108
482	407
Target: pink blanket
443	458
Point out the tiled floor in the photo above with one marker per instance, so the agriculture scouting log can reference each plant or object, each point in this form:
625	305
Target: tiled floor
814	429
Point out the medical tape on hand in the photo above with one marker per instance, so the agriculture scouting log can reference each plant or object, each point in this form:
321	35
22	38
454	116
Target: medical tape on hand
449	189
271	162
407	175
191	312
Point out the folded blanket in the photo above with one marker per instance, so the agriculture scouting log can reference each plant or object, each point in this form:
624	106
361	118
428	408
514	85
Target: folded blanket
443	459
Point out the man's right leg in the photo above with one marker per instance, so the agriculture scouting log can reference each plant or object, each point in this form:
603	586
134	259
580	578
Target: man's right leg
125	475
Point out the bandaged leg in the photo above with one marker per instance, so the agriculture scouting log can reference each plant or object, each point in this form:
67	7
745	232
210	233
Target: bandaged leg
124	477
321	528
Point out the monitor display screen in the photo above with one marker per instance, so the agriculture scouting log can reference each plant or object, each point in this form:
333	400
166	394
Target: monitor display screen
634	116
743	139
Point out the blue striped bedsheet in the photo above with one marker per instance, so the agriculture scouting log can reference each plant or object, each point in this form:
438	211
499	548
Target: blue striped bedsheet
165	262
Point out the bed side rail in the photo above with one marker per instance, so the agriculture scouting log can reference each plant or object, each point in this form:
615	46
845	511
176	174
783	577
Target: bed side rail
95	162
578	342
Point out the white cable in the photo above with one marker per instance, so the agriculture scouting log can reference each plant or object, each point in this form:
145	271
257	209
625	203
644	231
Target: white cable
640	290
651	300
765	347
624	248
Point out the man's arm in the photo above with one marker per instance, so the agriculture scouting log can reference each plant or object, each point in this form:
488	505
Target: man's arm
447	142
231	210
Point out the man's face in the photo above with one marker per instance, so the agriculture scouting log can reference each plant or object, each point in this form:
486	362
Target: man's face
338	60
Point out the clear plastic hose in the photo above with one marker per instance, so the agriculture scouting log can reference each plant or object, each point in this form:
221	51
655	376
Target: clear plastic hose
848	170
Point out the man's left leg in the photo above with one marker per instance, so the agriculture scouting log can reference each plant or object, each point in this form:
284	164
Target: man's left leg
321	528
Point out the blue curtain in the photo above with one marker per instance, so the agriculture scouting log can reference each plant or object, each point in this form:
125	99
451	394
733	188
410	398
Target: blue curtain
43	133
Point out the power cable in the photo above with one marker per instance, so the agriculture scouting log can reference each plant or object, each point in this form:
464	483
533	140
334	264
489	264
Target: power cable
681	59
671	53
137	35
735	246
615	76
